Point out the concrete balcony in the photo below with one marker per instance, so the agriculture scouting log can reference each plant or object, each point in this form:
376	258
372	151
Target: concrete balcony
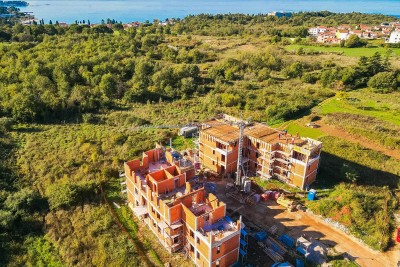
297	161
223	152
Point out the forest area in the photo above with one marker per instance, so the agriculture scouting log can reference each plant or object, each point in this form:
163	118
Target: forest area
71	99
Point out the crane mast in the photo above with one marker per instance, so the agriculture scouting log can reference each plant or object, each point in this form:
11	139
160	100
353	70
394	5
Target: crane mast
240	157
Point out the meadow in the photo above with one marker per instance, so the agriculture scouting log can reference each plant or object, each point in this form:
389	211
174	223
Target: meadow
366	103
350	52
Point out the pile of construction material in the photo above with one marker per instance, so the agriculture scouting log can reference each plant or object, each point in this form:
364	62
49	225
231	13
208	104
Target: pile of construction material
287	203
313	250
274	248
279	198
210	187
270	195
278	247
243	197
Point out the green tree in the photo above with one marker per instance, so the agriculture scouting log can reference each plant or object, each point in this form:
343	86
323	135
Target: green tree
294	70
40	252
25	200
383	82
24	106
62	195
355	41
188	86
108	85
6	220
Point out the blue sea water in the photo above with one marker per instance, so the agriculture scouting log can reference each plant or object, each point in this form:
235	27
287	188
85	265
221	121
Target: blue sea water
142	10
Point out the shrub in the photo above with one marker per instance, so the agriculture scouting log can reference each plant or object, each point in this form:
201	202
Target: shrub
383	82
230	100
67	195
5	124
89	118
355	41
294	70
309	78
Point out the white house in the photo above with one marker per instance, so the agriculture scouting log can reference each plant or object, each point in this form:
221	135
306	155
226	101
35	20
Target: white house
342	34
316	31
394	37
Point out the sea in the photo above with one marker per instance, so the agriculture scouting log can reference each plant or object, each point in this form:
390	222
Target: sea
125	11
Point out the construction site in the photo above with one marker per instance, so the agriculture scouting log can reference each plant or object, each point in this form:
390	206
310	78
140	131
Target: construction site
201	202
229	146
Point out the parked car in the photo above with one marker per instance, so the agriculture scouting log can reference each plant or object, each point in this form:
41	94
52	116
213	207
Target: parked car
398	235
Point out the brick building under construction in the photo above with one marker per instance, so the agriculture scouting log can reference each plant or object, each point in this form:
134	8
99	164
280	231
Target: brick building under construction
266	152
162	192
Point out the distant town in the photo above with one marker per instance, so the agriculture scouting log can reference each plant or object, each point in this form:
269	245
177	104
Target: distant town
389	31
14	3
334	35
109	23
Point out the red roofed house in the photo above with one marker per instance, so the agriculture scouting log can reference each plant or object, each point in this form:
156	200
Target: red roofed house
342	34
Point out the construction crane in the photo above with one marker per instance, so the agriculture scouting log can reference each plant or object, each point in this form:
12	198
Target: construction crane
240	172
240	167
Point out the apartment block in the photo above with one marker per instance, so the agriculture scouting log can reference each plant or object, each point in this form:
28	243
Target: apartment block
266	152
162	192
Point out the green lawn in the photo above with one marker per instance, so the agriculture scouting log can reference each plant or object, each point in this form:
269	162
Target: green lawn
364	102
182	143
352	52
304	131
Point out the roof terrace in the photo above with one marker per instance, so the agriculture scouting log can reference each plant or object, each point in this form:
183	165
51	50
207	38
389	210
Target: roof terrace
169	197
199	209
224	227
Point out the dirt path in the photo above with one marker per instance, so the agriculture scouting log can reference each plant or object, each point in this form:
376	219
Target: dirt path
295	224
337	132
314	226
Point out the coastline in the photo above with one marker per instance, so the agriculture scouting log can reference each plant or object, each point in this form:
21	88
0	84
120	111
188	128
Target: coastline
126	11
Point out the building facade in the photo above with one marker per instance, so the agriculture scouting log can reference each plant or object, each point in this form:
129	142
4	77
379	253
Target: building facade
394	37
315	31
162	192
266	152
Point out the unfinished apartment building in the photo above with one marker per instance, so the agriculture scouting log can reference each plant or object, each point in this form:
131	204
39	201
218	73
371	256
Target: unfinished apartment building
162	192
266	152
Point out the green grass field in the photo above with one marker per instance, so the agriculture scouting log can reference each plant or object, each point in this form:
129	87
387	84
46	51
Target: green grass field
304	131
364	102
351	52
182	143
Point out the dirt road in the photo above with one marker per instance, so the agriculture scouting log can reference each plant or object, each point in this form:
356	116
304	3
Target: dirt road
342	242
337	132
266	214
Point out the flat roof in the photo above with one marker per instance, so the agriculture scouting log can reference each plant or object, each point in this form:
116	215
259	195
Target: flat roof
221	130
228	132
271	135
221	228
